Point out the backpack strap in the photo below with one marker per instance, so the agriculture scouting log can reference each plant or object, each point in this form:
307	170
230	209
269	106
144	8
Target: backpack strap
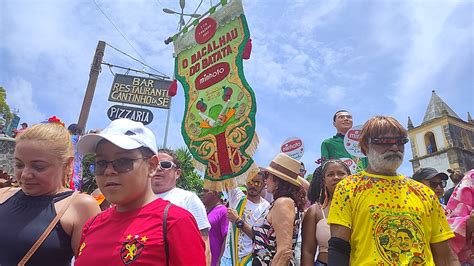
165	233
48	230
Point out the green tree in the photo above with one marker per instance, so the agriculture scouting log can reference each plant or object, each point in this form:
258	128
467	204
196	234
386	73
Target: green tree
4	108
309	177
190	179
88	178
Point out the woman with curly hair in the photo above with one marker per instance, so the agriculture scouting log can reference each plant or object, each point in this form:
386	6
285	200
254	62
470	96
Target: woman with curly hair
275	240
315	228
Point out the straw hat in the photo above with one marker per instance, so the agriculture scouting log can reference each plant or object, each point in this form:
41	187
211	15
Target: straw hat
286	168
254	172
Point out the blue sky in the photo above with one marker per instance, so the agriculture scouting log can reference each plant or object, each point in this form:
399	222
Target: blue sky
309	59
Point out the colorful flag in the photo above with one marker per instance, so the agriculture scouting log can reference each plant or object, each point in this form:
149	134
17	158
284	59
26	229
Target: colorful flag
219	119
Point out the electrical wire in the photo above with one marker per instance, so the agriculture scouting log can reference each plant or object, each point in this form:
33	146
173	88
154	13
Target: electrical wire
124	53
129	43
195	12
113	24
128	69
110	68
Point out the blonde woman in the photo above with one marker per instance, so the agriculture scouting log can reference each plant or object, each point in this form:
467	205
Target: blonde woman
42	166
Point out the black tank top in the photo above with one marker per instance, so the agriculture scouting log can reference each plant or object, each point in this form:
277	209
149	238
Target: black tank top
22	221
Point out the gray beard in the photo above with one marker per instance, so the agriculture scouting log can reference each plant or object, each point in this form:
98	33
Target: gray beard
383	163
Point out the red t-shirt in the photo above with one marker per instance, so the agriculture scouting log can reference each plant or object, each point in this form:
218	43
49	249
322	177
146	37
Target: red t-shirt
136	238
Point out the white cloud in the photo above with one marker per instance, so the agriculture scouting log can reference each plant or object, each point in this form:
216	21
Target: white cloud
309	59
426	46
335	95
20	96
312	14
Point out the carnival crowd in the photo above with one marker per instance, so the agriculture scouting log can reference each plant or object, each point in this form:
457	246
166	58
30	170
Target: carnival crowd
365	215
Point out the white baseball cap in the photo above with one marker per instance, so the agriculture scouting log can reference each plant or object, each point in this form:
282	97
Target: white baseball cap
123	133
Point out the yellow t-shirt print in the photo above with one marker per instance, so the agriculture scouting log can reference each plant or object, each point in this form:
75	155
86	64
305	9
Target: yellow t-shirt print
393	219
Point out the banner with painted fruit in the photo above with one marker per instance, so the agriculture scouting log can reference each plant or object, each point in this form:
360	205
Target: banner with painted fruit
219	119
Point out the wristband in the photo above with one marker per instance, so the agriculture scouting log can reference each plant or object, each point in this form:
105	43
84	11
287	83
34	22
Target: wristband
239	223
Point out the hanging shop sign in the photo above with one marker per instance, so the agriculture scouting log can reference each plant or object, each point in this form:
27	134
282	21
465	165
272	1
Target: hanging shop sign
140	91
136	114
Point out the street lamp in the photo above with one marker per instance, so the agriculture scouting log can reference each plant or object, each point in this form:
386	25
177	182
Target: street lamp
181	14
181	25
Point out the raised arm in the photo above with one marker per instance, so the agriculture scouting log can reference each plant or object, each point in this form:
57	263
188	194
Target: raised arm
234	217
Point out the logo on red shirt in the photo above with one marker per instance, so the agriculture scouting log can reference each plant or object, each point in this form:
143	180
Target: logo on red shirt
132	247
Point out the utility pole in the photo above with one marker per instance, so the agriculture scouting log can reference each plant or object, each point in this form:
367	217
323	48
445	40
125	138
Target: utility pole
93	75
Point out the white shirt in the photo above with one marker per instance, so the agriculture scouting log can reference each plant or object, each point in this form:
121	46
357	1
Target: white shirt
190	202
254	214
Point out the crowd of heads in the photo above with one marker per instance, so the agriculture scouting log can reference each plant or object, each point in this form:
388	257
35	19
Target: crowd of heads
377	139
128	164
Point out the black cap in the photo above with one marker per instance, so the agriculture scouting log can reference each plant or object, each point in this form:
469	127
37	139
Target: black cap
24	123
428	173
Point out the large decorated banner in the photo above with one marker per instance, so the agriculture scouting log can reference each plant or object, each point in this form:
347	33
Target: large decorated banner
219	119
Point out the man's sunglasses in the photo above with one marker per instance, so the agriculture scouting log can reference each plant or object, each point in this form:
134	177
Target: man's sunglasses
434	184
164	165
121	165
389	141
254	183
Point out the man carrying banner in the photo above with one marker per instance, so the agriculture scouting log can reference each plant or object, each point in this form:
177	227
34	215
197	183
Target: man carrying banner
250	209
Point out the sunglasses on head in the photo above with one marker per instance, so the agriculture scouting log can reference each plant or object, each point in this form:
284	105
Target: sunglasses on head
389	140
121	165
254	183
434	184
167	165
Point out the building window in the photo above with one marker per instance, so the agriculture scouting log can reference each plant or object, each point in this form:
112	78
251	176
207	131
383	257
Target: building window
430	143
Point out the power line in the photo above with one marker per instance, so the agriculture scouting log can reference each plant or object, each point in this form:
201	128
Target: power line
118	50
159	77
159	2
129	43
187	23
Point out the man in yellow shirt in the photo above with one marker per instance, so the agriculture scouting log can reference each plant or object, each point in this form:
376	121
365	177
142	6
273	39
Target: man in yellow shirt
387	218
